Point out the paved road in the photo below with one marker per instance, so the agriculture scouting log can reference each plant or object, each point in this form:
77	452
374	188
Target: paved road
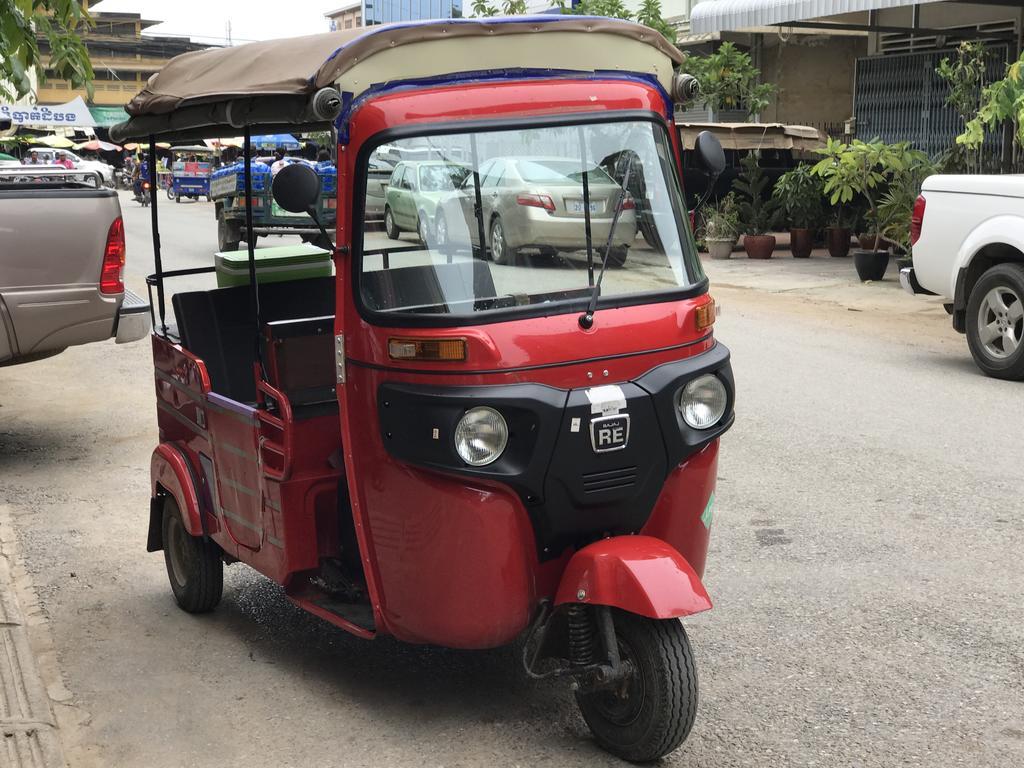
865	566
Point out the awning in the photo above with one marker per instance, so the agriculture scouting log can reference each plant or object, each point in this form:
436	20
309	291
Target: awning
733	15
799	138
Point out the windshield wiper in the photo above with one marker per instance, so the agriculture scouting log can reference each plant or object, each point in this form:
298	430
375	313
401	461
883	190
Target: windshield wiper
587	318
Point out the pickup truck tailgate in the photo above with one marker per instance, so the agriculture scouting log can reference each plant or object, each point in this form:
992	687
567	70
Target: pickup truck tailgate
52	243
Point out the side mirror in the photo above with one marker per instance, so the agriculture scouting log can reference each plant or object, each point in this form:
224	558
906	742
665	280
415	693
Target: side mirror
296	188
709	153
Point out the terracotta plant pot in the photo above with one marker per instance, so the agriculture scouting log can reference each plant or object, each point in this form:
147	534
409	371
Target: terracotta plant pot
867	242
759	246
801	243
720	249
871	265
838	239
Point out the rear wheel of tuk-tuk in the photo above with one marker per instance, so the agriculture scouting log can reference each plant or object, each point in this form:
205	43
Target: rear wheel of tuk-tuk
195	567
228	233
651	712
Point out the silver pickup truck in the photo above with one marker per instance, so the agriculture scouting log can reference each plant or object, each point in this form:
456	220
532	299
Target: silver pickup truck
62	252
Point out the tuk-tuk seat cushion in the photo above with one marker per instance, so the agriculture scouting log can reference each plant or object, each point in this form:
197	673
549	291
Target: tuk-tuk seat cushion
217	326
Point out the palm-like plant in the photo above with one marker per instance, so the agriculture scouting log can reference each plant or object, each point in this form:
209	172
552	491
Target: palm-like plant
800	194
758	212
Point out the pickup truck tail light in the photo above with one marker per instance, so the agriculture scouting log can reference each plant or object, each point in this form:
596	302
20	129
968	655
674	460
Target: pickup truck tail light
917	219
112	272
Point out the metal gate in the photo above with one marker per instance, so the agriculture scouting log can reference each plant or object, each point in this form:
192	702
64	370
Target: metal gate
901	98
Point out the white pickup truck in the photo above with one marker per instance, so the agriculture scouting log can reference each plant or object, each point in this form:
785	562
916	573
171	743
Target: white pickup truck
968	235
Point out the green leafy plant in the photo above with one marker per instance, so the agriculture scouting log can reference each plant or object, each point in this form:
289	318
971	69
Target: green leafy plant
896	205
860	168
965	77
729	80
800	196
650	15
58	21
1001	101
758	213
721	220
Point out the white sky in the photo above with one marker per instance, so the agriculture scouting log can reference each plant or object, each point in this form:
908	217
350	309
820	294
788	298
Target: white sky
206	21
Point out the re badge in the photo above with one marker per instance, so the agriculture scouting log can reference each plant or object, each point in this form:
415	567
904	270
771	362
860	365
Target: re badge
609	433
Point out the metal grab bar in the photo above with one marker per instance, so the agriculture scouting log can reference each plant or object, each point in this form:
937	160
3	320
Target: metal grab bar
269	448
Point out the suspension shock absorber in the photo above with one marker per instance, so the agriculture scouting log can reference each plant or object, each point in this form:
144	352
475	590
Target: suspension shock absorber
581	635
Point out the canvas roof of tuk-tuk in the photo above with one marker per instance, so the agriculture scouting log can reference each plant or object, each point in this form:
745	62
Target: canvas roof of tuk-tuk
268	85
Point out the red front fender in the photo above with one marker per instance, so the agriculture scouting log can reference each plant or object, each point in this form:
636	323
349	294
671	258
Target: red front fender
639	574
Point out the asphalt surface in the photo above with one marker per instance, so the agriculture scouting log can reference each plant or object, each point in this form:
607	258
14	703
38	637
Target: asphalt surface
865	568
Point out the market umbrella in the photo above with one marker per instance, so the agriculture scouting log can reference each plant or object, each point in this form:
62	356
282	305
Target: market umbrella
214	143
95	145
6	157
134	146
57	142
275	140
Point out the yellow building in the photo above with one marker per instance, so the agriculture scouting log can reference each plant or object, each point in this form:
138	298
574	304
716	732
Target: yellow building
122	60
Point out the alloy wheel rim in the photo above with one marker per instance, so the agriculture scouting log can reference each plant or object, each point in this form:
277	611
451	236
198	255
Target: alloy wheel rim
389	223
442	231
498	242
1001	322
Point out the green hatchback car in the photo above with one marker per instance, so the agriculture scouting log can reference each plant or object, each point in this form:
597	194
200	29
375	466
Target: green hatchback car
414	192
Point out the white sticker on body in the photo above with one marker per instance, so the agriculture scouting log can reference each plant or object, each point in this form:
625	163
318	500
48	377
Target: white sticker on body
574	426
607	400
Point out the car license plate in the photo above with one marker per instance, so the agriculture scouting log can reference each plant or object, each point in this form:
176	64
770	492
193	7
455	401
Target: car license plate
576	206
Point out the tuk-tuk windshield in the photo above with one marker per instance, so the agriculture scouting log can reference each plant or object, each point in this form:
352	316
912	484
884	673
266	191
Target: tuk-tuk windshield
545	203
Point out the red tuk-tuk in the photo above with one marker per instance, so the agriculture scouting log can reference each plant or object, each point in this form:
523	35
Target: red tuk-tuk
503	423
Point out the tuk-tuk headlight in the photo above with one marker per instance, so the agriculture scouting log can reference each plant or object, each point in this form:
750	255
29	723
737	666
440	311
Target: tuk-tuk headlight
481	436
703	401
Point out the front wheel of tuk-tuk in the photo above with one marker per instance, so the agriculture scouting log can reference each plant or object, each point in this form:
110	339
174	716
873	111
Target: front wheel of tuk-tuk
195	567
649	713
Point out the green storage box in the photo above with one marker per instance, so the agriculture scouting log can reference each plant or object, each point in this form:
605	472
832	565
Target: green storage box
273	265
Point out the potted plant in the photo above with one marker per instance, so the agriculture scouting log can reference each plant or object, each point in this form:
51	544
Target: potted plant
896	206
861	167
729	87
722	227
799	196
758	212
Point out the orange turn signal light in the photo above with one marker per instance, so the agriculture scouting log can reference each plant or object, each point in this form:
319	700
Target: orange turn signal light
706	314
432	350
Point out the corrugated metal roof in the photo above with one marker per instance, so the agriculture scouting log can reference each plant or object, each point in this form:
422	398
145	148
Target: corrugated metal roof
733	15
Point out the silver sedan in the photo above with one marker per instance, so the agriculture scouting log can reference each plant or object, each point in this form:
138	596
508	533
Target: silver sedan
537	203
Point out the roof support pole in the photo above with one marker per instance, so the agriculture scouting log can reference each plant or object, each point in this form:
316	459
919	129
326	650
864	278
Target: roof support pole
250	242
155	226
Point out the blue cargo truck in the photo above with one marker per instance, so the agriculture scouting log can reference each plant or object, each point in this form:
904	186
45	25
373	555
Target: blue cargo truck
227	188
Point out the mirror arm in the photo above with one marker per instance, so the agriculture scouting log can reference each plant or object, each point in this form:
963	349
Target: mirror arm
316	220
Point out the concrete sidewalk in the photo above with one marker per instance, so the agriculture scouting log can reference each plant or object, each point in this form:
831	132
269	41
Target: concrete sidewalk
820	278
30	737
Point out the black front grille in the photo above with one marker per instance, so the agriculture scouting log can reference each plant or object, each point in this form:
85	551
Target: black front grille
609	480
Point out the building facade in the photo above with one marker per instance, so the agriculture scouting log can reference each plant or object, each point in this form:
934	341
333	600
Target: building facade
390	11
347	16
122	60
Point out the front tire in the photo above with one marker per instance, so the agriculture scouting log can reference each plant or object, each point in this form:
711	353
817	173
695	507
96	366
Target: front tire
652	712
995	322
390	228
195	567
617	256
